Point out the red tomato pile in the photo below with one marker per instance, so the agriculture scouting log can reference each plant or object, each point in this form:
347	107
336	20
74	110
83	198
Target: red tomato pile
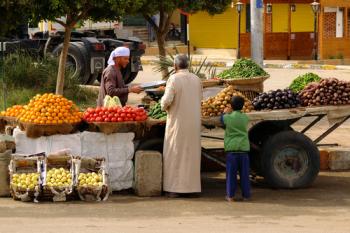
115	114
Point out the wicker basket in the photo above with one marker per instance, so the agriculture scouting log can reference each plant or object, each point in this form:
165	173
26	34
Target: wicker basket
37	130
7	121
23	165
252	84
249	94
212	83
57	194
137	127
92	193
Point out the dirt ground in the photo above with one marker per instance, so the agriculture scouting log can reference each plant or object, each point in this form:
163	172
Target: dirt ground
324	207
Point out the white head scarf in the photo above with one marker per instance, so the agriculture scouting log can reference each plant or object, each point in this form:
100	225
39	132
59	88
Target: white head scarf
118	52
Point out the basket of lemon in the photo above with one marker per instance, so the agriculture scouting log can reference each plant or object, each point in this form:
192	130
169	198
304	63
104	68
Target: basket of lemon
91	179
58	183
49	114
25	177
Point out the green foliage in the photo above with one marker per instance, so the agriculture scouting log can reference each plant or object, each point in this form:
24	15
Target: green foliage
243	68
12	14
96	10
200	69
25	77
211	6
302	81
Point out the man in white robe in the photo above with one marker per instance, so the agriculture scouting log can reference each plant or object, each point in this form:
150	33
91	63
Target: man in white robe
182	142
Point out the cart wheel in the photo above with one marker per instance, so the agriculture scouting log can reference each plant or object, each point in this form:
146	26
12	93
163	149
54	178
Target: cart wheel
290	160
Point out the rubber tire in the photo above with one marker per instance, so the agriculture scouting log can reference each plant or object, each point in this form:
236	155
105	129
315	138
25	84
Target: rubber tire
258	135
152	144
79	54
92	79
295	139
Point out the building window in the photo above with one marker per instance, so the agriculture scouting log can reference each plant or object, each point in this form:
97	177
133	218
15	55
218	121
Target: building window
329	22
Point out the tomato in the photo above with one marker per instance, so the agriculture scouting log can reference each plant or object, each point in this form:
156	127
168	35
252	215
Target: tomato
116	115
98	109
120	119
137	118
92	119
123	115
107	119
114	119
90	110
98	119
100	113
110	115
104	109
128	115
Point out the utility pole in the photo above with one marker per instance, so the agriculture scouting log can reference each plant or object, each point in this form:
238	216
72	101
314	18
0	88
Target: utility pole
257	35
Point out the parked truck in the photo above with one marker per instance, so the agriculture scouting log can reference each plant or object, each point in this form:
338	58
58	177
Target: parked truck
87	54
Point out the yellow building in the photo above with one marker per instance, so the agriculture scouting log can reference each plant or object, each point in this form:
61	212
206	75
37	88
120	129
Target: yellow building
288	30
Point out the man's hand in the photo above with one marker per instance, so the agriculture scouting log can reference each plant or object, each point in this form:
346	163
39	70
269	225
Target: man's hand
135	89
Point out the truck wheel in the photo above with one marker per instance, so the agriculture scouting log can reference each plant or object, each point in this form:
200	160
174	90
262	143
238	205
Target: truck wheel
290	160
92	79
76	60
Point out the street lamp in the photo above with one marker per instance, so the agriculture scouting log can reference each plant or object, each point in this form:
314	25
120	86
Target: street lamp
239	8
315	8
268	8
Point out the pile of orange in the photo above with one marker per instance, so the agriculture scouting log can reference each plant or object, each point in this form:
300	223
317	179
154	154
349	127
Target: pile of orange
50	109
13	111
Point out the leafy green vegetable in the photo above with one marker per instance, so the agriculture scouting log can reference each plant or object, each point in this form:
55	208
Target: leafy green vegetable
156	112
243	69
302	81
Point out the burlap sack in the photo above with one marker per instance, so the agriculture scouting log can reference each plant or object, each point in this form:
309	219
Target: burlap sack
118	127
7	143
35	130
4	173
2	125
2	146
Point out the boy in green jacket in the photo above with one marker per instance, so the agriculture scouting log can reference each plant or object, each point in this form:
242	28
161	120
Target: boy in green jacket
237	147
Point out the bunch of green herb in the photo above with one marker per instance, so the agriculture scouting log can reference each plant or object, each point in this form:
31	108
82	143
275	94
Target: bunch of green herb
302	81
243	69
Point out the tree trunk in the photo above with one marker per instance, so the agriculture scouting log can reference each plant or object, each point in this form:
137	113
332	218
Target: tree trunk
162	51
63	59
161	32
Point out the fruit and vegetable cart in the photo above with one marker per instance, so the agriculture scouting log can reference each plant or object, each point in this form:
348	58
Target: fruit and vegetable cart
284	157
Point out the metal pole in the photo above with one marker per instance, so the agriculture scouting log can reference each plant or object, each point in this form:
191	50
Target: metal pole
315	36
188	39
239	36
257	36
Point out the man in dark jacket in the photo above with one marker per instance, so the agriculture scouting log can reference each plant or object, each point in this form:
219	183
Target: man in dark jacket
112	82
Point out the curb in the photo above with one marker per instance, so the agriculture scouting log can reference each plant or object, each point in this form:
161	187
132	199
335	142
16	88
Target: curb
305	66
266	65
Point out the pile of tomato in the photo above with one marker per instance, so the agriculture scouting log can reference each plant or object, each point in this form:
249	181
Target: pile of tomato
115	114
